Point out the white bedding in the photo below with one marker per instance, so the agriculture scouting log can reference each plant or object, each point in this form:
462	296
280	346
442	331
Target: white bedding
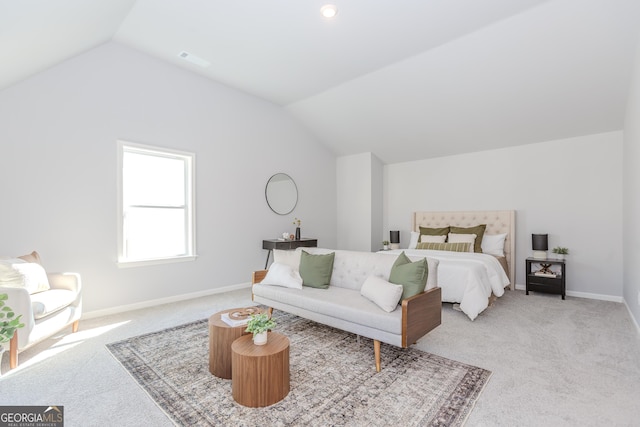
465	278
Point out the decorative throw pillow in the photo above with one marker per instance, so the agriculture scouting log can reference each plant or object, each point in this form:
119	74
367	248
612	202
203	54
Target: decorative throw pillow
413	241
493	244
287	257
382	293
18	273
282	275
411	275
451	247
443	231
32	257
433	239
316	269
478	230
462	238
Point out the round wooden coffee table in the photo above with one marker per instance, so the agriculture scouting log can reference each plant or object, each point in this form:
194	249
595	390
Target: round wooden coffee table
222	335
260	373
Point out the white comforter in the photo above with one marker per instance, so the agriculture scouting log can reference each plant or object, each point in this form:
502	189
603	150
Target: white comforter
465	278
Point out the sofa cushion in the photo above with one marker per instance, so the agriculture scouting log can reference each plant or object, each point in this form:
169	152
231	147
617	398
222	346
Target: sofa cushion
16	272
288	257
48	302
382	293
282	275
340	303
411	275
316	269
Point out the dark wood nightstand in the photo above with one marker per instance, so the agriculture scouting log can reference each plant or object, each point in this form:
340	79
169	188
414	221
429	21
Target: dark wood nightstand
272	244
549	284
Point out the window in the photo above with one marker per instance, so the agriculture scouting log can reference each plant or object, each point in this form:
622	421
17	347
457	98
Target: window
156	216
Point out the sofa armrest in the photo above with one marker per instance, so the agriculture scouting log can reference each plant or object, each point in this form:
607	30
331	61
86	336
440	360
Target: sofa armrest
257	276
20	302
68	281
420	314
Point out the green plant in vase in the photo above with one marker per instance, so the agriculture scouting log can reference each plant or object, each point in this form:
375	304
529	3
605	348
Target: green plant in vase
560	251
258	325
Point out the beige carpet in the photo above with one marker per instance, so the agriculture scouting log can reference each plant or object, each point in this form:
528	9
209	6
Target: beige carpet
333	380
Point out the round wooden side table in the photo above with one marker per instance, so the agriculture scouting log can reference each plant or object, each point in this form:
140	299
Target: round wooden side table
260	373
221	336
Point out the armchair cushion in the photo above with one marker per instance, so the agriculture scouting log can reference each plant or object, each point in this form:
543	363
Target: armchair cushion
48	302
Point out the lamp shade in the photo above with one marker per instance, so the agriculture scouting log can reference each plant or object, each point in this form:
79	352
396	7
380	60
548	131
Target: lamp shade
395	237
540	242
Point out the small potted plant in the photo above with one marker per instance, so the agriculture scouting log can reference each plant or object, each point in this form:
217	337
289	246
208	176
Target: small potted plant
385	245
258	325
560	252
8	322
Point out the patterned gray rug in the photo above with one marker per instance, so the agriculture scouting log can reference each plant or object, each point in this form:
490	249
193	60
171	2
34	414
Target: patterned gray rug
333	380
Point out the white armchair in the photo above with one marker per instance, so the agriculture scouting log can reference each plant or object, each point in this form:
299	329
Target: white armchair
43	313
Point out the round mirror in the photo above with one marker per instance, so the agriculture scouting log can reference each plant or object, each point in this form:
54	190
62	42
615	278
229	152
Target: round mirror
281	193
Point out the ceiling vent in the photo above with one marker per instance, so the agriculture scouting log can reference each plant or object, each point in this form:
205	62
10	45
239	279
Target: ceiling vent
194	59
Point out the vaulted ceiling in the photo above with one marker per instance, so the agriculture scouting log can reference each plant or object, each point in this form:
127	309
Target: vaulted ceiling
404	80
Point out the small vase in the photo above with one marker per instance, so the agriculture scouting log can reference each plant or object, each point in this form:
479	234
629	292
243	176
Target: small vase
560	256
260	339
297	233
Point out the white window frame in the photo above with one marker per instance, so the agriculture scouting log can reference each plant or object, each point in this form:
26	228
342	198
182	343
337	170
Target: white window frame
190	231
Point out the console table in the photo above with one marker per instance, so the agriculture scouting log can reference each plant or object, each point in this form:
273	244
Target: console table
272	244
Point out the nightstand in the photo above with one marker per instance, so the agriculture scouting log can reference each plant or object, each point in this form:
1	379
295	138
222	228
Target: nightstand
552	284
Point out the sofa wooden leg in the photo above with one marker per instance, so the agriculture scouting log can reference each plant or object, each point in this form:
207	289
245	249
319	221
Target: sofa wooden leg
376	350
13	351
74	326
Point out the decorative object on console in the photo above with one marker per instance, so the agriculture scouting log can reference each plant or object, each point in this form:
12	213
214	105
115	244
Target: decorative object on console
258	325
297	222
394	236
385	245
540	245
560	252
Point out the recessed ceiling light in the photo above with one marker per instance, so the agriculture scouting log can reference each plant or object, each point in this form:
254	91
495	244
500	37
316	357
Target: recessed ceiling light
329	10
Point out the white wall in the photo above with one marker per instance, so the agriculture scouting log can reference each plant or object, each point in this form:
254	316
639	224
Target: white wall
58	132
359	202
631	224
570	189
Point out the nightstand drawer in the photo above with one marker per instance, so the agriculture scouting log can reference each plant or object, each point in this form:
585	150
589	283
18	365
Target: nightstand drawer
545	281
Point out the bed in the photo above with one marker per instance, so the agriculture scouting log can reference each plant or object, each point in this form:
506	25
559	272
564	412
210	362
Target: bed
471	280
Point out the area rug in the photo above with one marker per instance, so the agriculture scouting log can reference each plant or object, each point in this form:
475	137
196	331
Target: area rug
333	380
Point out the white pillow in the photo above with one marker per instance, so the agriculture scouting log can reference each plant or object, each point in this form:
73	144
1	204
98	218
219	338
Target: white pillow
493	244
425	238
287	257
413	241
282	275
382	293
18	273
462	238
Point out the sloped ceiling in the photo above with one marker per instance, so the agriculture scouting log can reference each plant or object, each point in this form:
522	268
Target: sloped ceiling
401	79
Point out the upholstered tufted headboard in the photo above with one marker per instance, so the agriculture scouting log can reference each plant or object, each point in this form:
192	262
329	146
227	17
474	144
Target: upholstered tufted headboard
497	222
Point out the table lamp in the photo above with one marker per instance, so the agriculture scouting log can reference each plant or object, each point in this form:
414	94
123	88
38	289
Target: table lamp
540	243
395	239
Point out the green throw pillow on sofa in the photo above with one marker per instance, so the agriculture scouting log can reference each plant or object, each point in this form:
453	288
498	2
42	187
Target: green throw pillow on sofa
411	275
316	270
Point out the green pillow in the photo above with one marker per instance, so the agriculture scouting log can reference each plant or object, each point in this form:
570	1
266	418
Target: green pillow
478	230
444	231
316	270
451	247
411	275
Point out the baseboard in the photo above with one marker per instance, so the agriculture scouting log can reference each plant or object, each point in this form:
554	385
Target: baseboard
633	319
586	295
160	301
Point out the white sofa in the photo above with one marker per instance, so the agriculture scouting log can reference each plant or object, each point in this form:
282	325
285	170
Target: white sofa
44	313
342	306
